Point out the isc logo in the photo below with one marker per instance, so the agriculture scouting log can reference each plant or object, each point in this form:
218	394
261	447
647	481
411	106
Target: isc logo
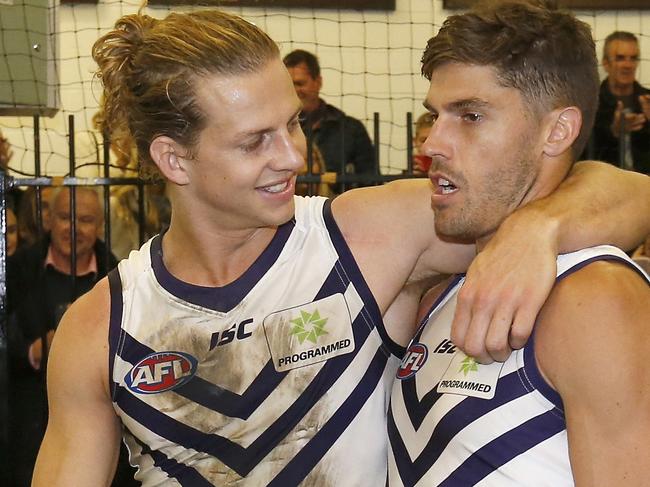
415	357
160	372
238	331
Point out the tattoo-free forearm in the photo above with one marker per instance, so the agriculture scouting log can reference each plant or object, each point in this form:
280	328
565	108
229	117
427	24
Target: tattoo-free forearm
596	204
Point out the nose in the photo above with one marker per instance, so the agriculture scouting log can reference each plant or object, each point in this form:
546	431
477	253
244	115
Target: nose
291	149
437	143
300	90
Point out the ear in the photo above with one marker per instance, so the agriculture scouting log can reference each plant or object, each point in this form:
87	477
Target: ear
564	128
167	155
605	62
319	80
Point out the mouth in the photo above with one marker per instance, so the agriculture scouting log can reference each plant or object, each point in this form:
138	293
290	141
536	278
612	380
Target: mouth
443	185
277	188
446	187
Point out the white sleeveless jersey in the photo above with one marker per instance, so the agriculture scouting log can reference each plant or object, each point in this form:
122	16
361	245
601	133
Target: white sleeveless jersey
280	378
455	422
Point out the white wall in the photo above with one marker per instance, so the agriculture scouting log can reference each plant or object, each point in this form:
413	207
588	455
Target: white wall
370	62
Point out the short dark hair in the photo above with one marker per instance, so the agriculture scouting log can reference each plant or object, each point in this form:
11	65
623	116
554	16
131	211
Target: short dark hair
299	56
618	35
545	53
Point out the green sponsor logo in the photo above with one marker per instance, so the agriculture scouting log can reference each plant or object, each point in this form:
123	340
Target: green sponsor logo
309	326
468	365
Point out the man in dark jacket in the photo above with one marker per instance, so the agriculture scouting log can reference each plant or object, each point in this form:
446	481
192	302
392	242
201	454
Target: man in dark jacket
342	140
624	107
40	287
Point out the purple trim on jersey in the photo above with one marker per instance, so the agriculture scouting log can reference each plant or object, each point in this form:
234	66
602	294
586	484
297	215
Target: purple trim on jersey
114	324
533	379
351	269
304	462
418	409
242	406
605	257
223	298
185	475
243	460
531	373
464	413
210	395
501	450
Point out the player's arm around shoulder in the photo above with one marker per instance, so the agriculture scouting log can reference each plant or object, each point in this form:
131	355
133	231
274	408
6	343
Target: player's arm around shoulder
81	444
390	230
592	346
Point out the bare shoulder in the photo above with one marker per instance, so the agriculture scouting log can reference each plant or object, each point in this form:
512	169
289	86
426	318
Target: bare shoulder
397	214
591	345
595	317
81	341
378	205
89	315
391	232
81	444
387	228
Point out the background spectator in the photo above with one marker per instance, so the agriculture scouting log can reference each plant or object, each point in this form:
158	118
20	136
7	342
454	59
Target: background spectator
13	195
40	287
12	232
32	223
342	140
624	107
421	162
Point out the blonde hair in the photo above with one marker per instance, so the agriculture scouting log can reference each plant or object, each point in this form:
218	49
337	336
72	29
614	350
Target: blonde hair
149	69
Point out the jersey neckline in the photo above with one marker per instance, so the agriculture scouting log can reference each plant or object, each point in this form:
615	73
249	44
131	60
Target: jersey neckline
221	298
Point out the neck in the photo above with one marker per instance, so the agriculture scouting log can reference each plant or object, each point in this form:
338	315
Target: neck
62	262
312	108
618	89
212	257
556	170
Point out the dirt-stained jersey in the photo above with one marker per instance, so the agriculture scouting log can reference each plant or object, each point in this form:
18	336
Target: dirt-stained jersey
455	422
280	378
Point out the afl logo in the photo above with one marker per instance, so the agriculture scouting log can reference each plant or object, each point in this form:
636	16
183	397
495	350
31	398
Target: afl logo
413	360
160	372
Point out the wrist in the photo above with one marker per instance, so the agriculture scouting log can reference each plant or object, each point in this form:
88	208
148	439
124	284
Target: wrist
537	221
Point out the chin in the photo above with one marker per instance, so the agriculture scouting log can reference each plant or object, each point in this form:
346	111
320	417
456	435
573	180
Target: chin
281	216
456	233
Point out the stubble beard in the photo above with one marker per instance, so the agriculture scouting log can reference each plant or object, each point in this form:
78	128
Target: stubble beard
481	213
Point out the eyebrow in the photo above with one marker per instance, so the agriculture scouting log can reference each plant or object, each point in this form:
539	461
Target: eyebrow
245	134
469	103
460	105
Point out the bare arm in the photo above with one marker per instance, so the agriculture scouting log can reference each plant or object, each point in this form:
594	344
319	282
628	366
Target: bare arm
592	345
410	306
599	203
510	279
81	444
390	230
